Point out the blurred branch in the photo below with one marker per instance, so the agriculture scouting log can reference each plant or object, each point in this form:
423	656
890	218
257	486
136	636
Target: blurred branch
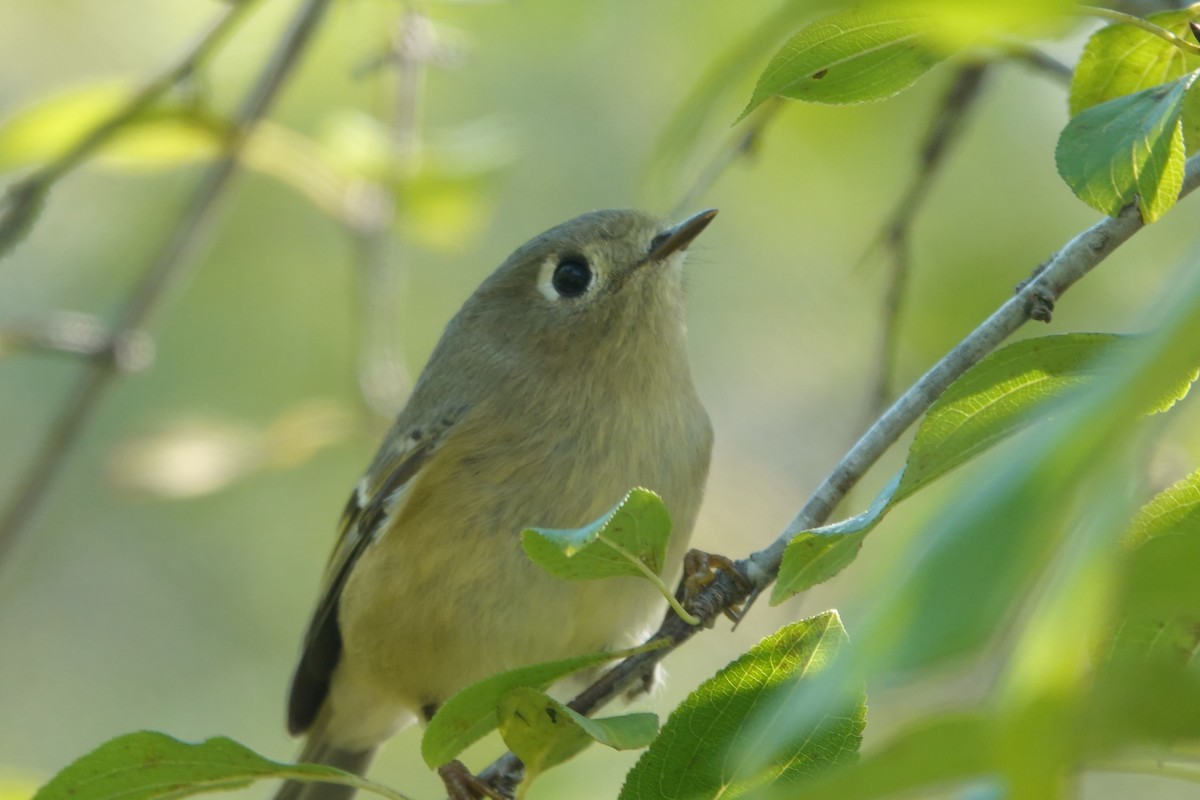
383	376
22	202
744	144
162	272
942	134
80	335
1040	61
1048	283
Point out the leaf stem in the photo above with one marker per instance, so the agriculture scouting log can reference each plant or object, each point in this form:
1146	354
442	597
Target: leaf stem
1139	22
651	576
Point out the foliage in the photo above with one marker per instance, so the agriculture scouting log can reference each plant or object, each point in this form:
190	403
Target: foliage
1079	585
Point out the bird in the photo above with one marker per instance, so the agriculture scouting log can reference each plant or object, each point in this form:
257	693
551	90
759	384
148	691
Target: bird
561	383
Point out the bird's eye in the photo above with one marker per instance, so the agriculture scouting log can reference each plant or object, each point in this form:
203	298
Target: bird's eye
572	276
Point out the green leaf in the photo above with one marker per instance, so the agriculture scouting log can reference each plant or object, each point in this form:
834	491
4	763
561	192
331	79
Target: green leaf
1173	512
967	576
714	745
149	765
1000	396
993	400
164	136
1161	585
471	714
850	57
1120	59
635	531
815	556
543	732
1127	148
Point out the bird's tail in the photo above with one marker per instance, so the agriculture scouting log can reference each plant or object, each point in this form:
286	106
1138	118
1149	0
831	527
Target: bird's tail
317	751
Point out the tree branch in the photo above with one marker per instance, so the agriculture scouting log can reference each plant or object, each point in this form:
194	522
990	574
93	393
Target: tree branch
23	200
73	334
741	145
942	134
1049	281
163	271
383	376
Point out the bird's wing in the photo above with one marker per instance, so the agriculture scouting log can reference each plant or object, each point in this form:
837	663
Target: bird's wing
374	500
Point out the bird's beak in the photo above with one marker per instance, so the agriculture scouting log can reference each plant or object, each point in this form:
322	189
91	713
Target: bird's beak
678	237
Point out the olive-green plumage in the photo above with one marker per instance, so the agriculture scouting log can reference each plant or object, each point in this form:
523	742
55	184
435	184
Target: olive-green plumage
561	383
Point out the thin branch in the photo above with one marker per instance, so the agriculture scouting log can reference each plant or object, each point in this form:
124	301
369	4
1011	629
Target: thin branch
68	333
744	144
1049	282
1040	61
942	134
23	200
167	268
383	377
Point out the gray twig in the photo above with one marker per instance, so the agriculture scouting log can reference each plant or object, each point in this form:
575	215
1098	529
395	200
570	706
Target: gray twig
1078	257
1040	61
383	377
151	290
74	334
942	134
744	144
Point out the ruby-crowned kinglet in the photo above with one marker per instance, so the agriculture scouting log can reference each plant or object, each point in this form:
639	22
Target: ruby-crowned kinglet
562	383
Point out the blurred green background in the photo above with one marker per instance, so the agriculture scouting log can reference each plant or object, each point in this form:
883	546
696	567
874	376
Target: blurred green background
166	582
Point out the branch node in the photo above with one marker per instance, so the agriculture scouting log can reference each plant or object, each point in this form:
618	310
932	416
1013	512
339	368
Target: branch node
1098	243
131	351
1039	302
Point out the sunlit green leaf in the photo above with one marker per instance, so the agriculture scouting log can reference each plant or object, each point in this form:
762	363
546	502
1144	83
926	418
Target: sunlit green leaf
850	57
1165	534
1122	59
635	531
50	127
471	714
1128	148
543	732
1173	512
149	765
715	744
163	136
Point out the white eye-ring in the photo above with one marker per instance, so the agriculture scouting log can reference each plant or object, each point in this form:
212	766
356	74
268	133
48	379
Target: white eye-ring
565	277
